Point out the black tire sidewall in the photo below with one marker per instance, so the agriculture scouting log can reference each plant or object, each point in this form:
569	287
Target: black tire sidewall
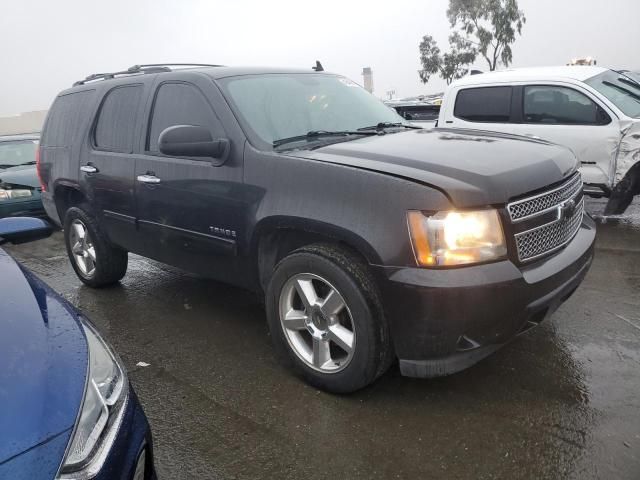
362	368
110	262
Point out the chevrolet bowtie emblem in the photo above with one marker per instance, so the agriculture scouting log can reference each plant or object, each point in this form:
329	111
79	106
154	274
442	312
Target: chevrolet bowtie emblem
566	210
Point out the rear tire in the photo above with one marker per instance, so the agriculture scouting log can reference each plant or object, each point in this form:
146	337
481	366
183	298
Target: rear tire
95	260
623	193
341	318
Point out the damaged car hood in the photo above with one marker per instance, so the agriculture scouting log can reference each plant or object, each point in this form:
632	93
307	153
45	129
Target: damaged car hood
471	167
23	175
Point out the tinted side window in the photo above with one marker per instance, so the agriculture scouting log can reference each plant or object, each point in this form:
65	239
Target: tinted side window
486	104
560	105
419	113
180	104
68	114
117	119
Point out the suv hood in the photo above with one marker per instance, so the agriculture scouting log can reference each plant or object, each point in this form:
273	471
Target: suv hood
473	168
22	175
43	366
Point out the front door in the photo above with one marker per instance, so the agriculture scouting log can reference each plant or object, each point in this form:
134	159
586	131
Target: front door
568	117
188	209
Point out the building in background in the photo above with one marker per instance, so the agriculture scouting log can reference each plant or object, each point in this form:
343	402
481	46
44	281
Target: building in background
28	122
368	79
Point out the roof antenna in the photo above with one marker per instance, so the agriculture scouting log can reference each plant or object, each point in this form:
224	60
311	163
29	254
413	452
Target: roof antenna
318	67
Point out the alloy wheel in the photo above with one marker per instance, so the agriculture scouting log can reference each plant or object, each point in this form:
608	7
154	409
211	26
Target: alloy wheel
317	323
84	253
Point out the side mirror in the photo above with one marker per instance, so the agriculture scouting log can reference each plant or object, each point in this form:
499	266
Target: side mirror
23	229
191	141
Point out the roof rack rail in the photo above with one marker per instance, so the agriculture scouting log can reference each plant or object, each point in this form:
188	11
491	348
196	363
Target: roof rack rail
138	69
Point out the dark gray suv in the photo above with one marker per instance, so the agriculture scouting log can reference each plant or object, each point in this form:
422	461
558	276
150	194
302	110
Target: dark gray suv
371	239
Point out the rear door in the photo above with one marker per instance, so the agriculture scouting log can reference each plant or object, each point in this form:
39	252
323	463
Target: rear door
107	168
481	108
189	210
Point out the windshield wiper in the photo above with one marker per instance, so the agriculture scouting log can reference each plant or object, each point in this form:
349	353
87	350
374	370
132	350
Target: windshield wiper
319	133
382	125
11	165
629	81
635	96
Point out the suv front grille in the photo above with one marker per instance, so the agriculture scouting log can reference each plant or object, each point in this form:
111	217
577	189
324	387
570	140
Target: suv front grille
538	241
565	203
544	202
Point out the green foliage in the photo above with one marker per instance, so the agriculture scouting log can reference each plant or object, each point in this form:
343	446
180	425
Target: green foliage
450	66
485	27
489	25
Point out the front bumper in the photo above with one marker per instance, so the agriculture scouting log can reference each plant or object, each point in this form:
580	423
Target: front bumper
443	321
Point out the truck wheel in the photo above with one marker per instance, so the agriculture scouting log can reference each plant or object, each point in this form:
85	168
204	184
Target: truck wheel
95	260
326	319
624	191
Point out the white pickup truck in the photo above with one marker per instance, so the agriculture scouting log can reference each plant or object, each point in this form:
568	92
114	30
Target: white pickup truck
592	110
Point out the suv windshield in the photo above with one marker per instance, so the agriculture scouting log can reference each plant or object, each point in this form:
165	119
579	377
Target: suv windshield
17	152
272	107
622	91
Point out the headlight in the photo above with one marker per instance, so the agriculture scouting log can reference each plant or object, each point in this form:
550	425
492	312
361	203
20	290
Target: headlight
105	394
456	237
15	193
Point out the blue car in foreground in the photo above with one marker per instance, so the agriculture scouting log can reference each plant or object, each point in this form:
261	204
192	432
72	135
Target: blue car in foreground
67	409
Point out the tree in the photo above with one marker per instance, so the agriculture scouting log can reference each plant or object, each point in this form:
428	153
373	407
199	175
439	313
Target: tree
450	66
489	25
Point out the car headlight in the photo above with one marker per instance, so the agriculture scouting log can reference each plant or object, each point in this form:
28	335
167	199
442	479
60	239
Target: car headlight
11	194
456	237
105	395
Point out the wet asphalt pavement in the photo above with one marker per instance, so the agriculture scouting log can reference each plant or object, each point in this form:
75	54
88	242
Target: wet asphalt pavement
562	401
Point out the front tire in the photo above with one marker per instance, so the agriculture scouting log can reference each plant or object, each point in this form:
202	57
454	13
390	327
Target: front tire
95	260
326	319
623	193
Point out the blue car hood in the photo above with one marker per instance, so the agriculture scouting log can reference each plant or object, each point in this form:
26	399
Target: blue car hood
21	175
43	367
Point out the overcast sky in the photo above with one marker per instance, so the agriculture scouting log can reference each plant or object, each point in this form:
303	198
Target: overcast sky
46	45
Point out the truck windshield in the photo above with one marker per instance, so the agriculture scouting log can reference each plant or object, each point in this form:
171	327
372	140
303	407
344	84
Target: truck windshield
622	91
279	106
18	152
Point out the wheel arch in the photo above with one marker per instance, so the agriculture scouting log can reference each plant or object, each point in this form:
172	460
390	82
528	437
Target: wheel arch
67	195
275	237
625	190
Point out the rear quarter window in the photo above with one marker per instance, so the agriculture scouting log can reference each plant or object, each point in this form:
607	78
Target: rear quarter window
484	104
67	116
115	126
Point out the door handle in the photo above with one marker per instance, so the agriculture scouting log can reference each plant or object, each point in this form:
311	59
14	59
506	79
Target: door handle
88	169
146	178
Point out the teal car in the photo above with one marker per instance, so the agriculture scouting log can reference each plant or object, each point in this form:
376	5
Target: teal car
19	184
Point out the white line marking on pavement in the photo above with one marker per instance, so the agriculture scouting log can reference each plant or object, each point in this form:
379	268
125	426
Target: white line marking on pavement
628	321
